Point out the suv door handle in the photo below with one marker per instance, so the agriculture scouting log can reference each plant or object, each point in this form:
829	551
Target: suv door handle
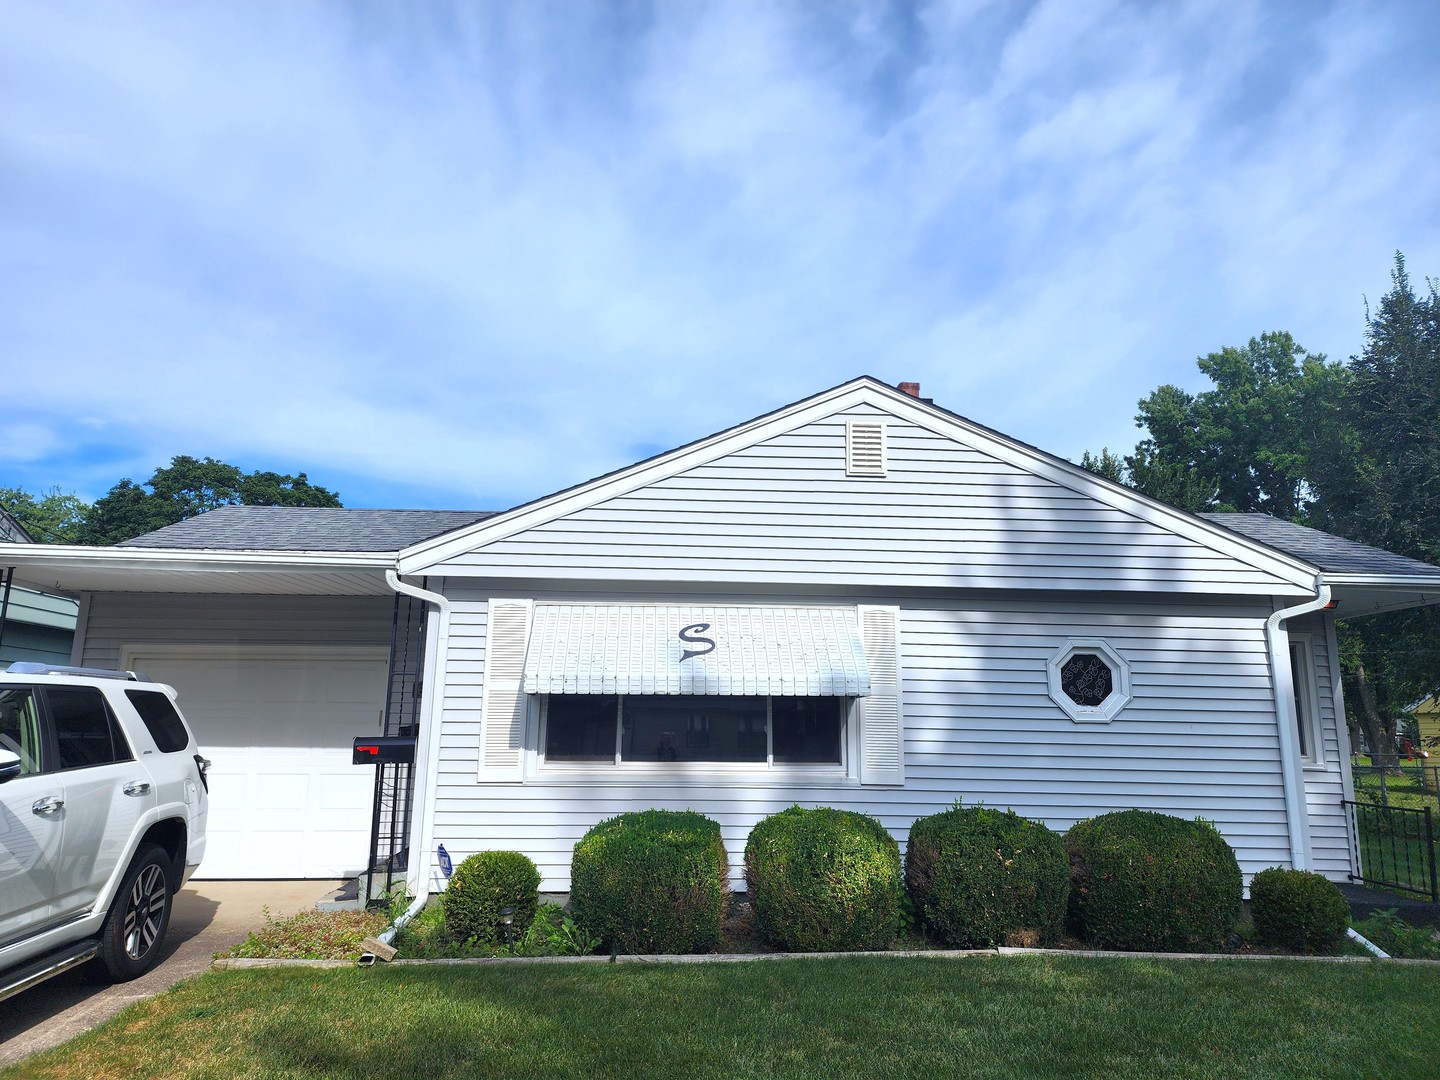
137	788
47	806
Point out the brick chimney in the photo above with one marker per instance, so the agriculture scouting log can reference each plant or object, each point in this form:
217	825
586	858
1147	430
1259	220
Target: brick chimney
911	388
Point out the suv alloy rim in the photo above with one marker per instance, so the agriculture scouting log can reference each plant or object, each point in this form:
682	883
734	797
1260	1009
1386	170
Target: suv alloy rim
145	912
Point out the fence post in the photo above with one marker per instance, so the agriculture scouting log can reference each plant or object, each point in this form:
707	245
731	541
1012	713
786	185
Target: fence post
1384	791
1430	854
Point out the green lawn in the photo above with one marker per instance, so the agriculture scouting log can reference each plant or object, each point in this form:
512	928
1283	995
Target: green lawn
1397	860
1405	785
1034	1016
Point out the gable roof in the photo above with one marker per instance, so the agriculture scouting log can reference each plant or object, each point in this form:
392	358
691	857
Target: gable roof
1292	574
305	528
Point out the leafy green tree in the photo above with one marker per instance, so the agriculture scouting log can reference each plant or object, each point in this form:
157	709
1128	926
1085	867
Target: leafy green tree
1105	464
190	486
1353	449
126	510
275	489
1243	445
1379	483
51	518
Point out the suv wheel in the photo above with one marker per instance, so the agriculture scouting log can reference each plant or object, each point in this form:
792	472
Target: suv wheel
135	928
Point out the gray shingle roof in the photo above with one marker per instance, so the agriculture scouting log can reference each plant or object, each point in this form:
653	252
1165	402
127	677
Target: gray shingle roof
305	528
1330	553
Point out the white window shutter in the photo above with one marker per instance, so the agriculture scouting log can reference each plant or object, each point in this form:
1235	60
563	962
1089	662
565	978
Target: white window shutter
502	716
882	719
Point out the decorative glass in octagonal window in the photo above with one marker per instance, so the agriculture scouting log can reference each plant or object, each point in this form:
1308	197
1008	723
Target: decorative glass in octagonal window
1087	679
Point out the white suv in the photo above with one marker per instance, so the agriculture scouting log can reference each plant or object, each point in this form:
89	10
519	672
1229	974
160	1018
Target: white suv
103	797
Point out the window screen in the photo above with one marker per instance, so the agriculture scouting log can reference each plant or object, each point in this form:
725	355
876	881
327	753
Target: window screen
85	731
161	720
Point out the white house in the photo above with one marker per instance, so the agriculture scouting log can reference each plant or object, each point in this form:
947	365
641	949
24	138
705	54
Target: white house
859	600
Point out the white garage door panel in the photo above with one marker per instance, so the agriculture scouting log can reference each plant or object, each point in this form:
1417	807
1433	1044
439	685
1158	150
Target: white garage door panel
285	802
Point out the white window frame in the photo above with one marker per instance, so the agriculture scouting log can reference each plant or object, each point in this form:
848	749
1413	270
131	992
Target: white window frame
1307	700
1120	695
539	768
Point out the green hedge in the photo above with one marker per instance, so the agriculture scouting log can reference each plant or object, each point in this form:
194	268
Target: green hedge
983	877
651	882
823	880
1298	910
483	884
1142	880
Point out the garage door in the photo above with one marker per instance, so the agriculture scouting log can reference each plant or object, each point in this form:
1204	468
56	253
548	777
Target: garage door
285	802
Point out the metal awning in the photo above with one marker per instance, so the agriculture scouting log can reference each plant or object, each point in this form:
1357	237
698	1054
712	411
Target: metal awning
696	649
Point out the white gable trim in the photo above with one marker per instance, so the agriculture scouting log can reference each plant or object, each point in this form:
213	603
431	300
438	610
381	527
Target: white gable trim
425	556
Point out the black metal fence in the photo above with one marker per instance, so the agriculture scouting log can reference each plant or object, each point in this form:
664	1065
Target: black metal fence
1394	847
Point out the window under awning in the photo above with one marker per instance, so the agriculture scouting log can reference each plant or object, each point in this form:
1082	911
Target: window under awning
696	649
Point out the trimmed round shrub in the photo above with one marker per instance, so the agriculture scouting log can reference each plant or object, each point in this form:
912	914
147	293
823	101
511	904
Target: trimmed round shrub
987	877
481	885
823	880
651	882
1298	910
1142	880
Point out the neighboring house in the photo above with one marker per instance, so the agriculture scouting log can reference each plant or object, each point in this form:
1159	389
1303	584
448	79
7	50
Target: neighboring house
33	625
1427	724
860	600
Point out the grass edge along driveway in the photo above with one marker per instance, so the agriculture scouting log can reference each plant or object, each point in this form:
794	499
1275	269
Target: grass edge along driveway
1037	1016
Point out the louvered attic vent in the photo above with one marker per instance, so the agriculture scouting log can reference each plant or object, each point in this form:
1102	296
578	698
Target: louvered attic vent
865	448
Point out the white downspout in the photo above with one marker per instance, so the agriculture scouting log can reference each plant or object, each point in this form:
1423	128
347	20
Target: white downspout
427	750
1277	641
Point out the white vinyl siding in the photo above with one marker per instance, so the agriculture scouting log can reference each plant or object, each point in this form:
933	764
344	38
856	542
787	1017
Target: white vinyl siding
1199	738
1324	780
785	511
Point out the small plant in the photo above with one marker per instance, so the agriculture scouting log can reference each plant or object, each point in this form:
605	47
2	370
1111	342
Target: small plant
987	877
1397	937
823	879
394	902
555	933
651	882
312	935
1142	880
1298	910
484	884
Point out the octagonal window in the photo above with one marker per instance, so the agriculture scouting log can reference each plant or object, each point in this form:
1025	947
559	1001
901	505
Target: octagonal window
1089	680
1086	679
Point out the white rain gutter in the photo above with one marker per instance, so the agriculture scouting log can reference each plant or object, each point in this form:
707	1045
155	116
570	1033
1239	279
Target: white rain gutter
1292	772
1355	935
427	749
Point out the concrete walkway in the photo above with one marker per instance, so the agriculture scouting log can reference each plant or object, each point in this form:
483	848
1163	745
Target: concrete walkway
208	916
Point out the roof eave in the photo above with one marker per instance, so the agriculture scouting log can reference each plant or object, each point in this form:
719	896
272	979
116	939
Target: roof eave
190	558
1374	594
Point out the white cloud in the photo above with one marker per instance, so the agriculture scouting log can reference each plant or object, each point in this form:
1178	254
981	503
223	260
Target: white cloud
492	250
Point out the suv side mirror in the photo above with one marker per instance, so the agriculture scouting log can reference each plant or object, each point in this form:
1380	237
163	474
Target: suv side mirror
9	765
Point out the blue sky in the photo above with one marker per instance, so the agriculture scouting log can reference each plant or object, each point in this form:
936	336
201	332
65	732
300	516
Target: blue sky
462	257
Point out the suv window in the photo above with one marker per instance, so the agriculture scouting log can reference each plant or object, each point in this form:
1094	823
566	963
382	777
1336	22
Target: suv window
161	720
20	728
86	732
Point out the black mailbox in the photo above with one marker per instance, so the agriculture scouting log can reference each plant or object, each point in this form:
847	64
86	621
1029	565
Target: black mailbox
384	750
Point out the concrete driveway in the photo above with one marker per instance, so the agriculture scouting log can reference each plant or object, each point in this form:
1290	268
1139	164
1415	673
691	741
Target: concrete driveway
208	916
